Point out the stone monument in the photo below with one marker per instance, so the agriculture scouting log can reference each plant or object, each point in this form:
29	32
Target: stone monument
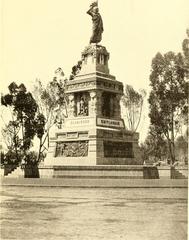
94	132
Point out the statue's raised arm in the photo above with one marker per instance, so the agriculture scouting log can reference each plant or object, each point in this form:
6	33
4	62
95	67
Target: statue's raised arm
97	23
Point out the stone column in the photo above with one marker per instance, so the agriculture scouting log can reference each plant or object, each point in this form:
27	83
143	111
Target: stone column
117	109
95	105
99	103
71	105
112	106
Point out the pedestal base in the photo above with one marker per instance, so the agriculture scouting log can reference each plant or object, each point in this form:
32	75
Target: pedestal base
93	146
92	172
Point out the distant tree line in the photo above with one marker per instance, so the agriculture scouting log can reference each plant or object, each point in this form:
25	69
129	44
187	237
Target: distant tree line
168	107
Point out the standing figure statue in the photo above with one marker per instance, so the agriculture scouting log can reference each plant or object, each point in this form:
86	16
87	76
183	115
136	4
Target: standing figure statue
97	23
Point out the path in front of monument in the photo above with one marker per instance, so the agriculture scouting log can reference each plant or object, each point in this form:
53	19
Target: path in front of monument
93	213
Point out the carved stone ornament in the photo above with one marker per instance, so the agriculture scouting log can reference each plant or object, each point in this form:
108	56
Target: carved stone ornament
72	149
95	50
92	94
71	97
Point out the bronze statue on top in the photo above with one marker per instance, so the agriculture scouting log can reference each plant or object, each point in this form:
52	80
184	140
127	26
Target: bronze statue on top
97	23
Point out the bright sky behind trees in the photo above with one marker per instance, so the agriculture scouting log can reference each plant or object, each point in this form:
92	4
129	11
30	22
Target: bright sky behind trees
38	36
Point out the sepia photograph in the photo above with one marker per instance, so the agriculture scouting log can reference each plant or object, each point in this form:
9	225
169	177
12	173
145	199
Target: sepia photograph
94	119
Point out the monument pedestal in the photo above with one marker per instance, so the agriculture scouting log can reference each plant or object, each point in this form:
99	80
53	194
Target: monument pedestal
89	144
94	132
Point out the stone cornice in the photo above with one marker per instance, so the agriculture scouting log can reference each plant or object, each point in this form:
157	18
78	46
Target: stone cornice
95	83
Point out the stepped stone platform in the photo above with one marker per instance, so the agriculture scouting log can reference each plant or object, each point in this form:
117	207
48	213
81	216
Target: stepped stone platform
108	171
94	183
97	172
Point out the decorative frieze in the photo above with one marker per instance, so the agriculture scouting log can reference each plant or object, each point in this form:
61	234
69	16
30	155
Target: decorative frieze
72	149
95	83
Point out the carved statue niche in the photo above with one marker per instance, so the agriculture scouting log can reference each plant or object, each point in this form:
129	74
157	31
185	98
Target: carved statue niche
82	104
108	104
105	104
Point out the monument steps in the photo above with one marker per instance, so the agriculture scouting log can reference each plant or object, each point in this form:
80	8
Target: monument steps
95	183
16	173
179	175
98	177
93	172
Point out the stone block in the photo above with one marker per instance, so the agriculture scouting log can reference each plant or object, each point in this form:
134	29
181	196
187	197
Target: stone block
164	172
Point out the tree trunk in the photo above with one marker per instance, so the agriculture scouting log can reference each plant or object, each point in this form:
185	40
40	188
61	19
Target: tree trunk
39	152
170	150
172	137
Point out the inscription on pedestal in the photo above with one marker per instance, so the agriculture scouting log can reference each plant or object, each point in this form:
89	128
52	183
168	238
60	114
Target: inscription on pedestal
110	123
72	135
118	149
79	122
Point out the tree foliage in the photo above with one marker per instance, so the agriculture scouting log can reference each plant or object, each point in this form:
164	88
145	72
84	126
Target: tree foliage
21	129
52	106
181	146
168	96
133	104
154	148
185	48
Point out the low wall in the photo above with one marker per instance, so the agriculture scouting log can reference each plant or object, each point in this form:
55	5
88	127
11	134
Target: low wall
46	172
1	172
31	171
150	172
173	172
164	172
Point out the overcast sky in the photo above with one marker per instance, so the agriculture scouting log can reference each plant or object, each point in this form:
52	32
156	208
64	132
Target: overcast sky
38	36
